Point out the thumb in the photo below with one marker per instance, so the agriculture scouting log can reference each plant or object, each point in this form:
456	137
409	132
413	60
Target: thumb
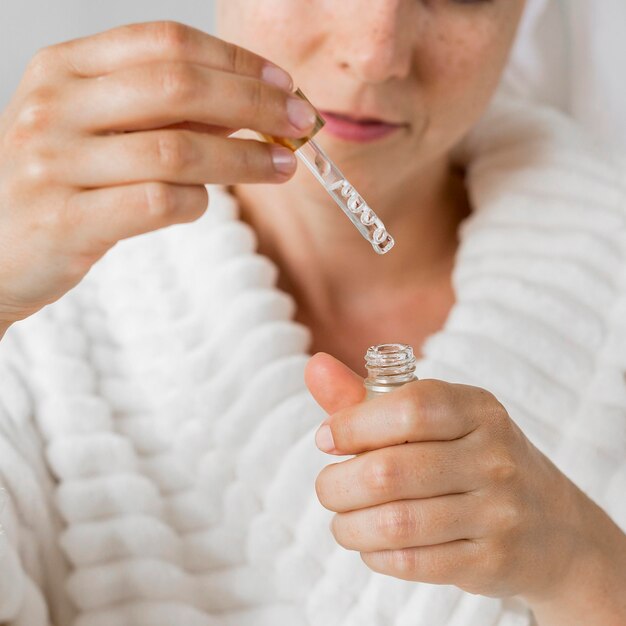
333	385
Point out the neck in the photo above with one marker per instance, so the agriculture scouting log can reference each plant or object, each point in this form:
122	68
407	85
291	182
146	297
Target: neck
326	264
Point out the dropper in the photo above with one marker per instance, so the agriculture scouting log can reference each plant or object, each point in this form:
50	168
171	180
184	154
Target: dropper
337	186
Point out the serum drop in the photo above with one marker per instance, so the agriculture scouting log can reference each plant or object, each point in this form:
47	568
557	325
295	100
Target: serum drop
389	366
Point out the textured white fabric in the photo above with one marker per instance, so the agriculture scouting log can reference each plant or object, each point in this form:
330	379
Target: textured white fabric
571	54
156	435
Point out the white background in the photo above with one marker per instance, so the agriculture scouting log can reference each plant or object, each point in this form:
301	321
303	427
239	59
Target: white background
27	25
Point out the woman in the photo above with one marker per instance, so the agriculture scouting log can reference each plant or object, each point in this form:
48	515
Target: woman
157	437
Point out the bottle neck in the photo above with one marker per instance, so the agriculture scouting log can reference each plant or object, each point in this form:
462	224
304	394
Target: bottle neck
389	366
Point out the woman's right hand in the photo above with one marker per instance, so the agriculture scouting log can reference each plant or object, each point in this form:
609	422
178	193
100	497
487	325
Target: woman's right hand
116	135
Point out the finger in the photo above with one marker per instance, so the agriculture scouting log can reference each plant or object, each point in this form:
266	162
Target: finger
424	410
173	156
137	44
333	384
447	563
197	127
101	217
408	524
160	94
405	472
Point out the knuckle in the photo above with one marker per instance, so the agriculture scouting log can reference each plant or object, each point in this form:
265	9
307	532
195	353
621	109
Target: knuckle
414	406
173	151
42	61
381	473
501	467
474	579
54	223
494	563
160	200
396	523
257	97
177	82
170	36
38	168
405	562
236	60
498	413
508	517
409	410
36	112
254	163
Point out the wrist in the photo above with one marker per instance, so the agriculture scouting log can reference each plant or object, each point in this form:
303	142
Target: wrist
592	591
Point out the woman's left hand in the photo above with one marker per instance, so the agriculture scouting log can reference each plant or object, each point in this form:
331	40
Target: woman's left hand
444	487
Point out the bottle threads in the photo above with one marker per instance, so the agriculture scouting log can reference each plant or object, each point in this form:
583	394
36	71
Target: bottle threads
389	366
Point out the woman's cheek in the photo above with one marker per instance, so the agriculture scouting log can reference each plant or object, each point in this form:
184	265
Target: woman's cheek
459	69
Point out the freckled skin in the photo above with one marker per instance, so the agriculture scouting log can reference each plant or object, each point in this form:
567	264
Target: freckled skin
433	64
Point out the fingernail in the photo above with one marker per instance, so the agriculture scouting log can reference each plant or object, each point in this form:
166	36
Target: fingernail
324	438
284	159
301	114
275	76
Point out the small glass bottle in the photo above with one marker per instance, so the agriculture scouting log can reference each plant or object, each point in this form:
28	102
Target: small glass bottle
389	366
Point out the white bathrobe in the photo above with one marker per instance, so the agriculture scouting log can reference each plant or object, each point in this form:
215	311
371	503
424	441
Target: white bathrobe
156	436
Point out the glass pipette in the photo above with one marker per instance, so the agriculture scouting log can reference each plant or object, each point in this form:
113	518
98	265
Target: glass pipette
339	189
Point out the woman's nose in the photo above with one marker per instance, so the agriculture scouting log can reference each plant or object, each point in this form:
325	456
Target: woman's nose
376	43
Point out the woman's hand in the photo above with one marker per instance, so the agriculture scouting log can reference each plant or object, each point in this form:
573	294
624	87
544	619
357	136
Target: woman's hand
115	135
445	488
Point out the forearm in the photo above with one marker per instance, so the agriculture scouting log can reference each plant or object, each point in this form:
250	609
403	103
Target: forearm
594	592
4	326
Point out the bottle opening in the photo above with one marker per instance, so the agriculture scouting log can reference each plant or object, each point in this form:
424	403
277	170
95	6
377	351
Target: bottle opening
389	365
389	355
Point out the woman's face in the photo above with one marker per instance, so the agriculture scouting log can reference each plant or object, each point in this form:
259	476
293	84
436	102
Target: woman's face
428	66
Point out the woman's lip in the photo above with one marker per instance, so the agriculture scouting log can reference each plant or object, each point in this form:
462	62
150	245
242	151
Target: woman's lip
351	129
